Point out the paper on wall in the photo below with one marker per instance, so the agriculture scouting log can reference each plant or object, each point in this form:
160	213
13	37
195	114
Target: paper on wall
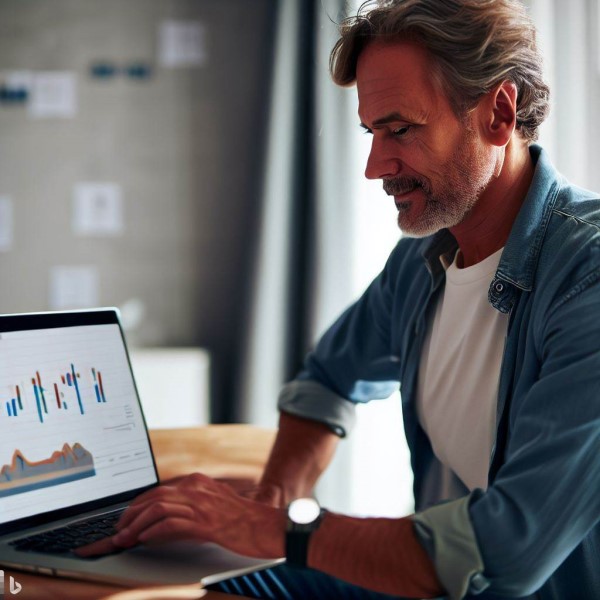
53	94
97	209
6	223
182	44
73	287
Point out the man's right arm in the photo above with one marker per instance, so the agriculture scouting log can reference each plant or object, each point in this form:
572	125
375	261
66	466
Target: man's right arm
302	450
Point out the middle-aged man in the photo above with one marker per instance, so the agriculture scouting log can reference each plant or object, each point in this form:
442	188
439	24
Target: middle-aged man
487	312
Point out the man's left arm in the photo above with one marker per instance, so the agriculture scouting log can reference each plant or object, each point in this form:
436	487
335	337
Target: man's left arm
544	499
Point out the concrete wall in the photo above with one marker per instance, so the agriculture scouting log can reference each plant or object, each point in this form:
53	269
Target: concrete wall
186	147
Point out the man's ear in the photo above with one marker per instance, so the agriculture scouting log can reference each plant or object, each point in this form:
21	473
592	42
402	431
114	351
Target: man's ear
499	115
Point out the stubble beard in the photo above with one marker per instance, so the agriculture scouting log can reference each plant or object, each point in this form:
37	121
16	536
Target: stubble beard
465	177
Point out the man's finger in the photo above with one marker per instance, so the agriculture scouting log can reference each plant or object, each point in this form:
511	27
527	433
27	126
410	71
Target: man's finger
152	514
131	513
142	502
171	529
103	546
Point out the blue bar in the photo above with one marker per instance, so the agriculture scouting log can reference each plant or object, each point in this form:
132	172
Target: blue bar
37	400
98	399
8	409
64	405
77	389
14	407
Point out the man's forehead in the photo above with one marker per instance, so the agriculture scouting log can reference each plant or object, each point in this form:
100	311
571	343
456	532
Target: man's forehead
392	103
395	74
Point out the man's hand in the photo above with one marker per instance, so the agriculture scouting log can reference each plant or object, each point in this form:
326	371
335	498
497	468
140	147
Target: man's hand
271	495
196	507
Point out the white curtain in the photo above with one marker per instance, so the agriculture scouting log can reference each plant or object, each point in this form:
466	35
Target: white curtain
355	231
568	38
264	362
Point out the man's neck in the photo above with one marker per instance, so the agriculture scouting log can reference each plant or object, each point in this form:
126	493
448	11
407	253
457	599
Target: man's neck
488	225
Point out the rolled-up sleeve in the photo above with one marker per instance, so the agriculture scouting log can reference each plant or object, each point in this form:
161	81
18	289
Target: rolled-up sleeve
447	534
353	361
312	400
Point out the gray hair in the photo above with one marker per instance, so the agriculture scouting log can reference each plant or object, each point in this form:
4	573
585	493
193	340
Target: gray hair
475	45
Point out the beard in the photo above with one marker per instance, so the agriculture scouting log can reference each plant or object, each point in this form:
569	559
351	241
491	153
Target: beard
447	201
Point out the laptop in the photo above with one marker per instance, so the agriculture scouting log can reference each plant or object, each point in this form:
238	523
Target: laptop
75	450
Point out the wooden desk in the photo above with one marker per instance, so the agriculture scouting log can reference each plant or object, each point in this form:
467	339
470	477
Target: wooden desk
236	453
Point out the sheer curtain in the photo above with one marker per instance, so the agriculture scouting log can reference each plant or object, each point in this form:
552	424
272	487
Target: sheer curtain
568	38
356	230
351	231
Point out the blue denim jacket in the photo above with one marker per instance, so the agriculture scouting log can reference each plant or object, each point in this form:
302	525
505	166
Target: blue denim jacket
535	532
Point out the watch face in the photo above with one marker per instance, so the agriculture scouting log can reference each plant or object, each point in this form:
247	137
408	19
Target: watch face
304	511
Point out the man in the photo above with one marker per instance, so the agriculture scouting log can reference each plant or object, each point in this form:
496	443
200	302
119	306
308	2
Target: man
487	313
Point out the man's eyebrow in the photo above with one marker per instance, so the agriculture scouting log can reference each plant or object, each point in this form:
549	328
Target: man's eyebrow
391	118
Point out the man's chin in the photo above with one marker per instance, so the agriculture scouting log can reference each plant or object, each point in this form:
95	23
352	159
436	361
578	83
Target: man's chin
416	230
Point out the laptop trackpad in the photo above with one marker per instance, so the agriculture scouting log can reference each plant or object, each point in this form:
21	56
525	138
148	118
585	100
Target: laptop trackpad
177	562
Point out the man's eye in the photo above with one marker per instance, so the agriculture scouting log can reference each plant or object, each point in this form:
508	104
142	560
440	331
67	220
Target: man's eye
367	130
400	131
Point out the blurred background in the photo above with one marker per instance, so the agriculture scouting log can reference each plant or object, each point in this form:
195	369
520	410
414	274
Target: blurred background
190	162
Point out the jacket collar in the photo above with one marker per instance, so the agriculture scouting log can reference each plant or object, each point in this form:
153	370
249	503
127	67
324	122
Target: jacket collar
521	253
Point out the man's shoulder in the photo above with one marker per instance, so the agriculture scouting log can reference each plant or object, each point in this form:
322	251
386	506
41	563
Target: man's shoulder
570	250
574	202
575	219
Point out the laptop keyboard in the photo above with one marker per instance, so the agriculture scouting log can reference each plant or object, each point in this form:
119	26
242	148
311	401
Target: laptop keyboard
65	539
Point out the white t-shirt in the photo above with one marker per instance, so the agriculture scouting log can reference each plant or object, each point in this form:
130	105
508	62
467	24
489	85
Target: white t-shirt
459	372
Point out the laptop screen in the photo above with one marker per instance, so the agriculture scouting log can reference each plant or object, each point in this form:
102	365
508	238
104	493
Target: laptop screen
71	427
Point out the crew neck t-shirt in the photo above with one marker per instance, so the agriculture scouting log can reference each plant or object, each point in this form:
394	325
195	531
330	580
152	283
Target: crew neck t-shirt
459	371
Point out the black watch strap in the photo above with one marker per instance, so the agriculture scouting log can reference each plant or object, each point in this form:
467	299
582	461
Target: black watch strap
296	548
297	538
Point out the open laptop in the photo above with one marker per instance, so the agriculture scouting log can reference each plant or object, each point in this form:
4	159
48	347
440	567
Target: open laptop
74	450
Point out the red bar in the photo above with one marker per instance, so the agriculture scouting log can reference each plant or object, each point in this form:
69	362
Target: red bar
39	380
57	396
101	388
63	379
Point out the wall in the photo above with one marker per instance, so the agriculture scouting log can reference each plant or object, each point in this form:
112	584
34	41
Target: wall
185	146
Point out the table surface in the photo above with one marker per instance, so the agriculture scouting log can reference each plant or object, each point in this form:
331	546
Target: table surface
235	453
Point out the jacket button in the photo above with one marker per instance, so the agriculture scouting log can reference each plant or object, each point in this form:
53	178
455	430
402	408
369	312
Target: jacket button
499	287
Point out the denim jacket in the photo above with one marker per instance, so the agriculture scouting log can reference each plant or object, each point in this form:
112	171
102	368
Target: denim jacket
535	531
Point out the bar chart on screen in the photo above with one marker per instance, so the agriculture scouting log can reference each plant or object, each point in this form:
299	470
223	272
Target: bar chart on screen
71	426
56	395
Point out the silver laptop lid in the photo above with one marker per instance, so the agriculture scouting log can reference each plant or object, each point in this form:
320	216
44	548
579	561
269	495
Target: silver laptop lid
72	432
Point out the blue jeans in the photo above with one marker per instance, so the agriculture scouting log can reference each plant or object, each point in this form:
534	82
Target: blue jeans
289	583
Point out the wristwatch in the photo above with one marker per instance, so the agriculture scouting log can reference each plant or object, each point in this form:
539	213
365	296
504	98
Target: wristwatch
304	517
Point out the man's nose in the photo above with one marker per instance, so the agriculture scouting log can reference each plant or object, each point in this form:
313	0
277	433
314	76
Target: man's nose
382	162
